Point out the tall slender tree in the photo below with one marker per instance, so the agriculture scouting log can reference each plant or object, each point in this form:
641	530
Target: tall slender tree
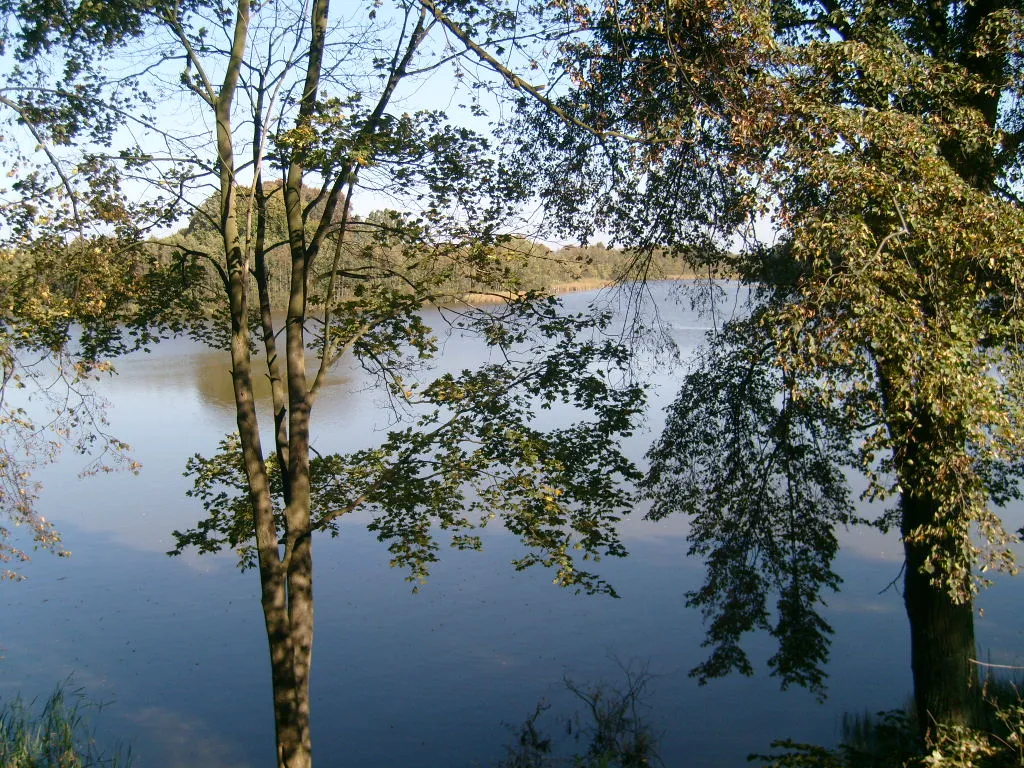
277	103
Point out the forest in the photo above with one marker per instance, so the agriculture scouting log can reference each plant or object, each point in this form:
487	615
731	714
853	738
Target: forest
530	265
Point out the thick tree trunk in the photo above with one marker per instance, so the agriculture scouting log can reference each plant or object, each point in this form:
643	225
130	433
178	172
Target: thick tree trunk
941	632
942	644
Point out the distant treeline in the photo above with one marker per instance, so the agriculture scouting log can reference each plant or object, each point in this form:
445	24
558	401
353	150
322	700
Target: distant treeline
390	248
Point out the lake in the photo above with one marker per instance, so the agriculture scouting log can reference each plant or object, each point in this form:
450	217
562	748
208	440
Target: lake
176	648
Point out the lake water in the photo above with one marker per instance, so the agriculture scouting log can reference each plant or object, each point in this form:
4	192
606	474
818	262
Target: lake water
429	680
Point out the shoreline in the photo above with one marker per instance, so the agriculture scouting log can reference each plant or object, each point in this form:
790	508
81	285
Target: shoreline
560	289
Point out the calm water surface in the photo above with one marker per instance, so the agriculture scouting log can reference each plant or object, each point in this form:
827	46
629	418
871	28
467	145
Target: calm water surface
431	680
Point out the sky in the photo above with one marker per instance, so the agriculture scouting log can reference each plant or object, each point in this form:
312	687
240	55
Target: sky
181	125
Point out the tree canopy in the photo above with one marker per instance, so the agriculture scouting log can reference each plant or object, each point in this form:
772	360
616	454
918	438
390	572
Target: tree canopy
72	274
866	159
262	122
857	163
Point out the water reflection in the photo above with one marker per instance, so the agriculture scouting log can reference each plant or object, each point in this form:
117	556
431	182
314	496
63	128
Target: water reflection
422	681
181	369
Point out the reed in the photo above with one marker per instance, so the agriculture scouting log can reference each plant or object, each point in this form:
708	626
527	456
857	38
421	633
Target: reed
55	735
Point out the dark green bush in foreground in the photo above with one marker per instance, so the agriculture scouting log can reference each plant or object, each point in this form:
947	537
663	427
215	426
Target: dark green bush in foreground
57	735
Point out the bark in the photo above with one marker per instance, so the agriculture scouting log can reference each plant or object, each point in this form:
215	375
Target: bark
941	636
286	578
942	641
291	709
298	558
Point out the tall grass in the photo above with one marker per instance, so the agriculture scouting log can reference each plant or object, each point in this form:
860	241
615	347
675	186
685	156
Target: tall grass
55	735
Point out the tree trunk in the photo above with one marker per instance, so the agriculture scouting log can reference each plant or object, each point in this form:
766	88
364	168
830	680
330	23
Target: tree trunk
941	632
292	751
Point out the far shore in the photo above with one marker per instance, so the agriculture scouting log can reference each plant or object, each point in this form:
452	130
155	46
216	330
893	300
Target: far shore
559	289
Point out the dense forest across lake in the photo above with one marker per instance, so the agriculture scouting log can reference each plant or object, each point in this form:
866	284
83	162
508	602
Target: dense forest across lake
397	245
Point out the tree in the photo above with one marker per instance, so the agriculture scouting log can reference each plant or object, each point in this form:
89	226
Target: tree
881	145
289	115
71	271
